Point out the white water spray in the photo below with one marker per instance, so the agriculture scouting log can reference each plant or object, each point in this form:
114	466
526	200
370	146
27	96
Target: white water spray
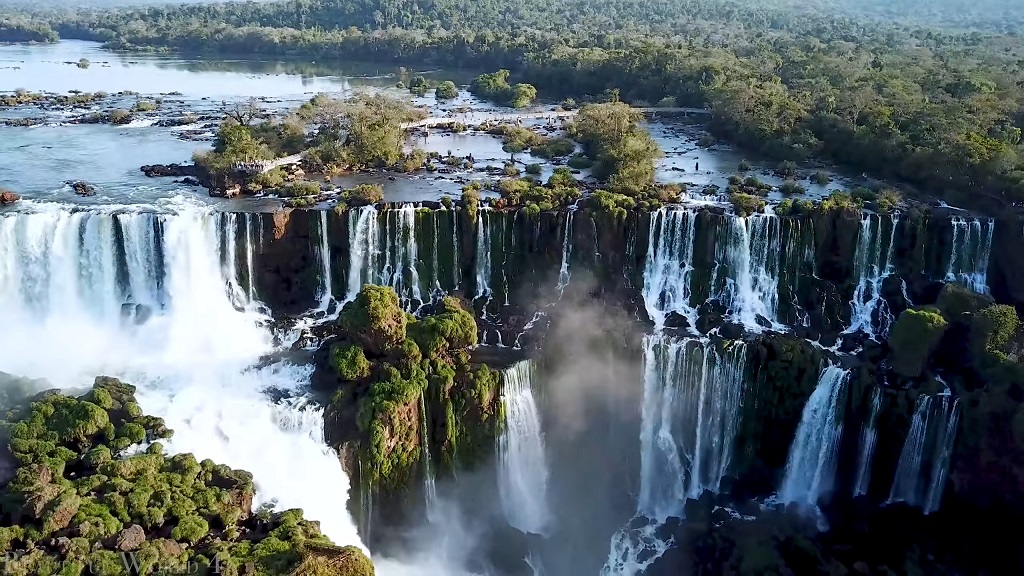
868	441
924	460
63	278
869	312
811	466
522	463
972	246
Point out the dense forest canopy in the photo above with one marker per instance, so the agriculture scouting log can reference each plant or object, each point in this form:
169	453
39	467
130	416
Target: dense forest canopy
942	111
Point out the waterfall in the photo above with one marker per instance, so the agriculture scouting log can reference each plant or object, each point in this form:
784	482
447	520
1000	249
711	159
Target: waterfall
483	255
924	460
797	262
669	265
563	270
868	440
869	312
747	271
429	486
972	246
364	250
693	393
522	464
811	466
326	291
64	276
385	249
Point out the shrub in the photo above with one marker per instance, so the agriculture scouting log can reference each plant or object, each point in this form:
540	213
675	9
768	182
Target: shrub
190	529
120	116
744	166
839	201
746	204
363	195
821	178
994	327
446	90
888	201
376	319
533	169
299	188
791	187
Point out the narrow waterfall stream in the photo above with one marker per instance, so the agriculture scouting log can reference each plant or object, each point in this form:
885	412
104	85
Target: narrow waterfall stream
873	263
972	248
429	484
924	460
868	440
522	462
748	254
669	265
811	466
563	269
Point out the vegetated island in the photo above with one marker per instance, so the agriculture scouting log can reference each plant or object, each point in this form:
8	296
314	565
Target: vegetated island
92	492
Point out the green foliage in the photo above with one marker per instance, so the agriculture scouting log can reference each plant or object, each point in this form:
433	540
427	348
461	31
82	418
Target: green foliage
790	187
615	205
993	327
363	195
554	148
190	529
350	363
376	319
914	337
299	189
446	90
789	207
821	178
839	202
120	116
495	87
623	152
102	496
453	329
746	204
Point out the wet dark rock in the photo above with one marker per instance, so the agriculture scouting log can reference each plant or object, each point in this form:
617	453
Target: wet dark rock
135	313
175	170
82	188
676	320
189	181
732	331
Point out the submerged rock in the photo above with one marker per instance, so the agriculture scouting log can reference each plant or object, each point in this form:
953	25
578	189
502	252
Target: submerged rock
82	188
175	170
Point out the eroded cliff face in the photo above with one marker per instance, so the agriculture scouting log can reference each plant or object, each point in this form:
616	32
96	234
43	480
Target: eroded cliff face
791	287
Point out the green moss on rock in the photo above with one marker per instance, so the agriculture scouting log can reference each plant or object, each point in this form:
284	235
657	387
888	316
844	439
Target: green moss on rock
349	362
78	503
914	337
376	319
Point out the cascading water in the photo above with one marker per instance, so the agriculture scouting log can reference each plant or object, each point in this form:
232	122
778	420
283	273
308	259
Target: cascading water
924	460
429	485
63	278
669	265
522	463
483	256
868	441
385	249
748	254
811	466
691	409
326	291
869	312
563	270
972	246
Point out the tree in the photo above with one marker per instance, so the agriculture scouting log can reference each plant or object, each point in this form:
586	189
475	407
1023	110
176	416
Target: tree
446	90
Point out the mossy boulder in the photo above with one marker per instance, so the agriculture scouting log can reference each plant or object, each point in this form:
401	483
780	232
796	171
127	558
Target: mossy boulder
78	499
955	300
914	337
410	376
375	319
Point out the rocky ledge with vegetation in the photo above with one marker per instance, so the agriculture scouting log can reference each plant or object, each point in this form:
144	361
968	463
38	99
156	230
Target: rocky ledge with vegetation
93	492
391	377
